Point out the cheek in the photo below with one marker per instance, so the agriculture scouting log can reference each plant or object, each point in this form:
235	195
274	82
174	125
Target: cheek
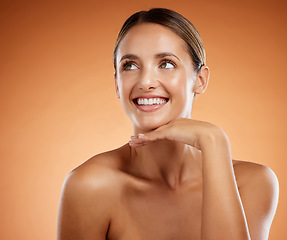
178	83
125	86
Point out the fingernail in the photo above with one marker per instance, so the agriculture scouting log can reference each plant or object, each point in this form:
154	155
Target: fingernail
141	135
131	144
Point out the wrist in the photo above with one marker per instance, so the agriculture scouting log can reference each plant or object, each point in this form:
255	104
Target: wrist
213	137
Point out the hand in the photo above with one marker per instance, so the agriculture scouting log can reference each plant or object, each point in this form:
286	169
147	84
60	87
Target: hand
192	132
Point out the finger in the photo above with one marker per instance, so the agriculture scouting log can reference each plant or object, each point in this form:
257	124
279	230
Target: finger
138	140
136	144
133	145
141	139
153	136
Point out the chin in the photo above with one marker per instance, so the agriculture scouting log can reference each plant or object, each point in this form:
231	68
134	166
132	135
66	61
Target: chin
149	125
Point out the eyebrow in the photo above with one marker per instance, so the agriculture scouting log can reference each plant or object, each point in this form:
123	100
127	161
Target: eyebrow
159	55
166	54
129	56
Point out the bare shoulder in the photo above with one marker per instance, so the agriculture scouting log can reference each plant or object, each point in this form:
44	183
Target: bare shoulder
259	191
99	172
256	178
89	196
250	173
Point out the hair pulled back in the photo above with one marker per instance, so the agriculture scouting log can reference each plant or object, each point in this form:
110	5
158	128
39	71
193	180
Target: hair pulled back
175	22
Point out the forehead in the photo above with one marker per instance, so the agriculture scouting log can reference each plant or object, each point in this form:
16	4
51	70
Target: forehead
149	38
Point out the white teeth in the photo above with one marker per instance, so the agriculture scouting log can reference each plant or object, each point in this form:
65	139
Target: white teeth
150	101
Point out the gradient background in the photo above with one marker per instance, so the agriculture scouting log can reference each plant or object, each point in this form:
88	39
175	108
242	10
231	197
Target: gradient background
58	106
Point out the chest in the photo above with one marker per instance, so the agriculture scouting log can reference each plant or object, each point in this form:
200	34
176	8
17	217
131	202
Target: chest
158	214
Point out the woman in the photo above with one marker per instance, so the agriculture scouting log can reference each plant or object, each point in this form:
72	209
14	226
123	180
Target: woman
175	179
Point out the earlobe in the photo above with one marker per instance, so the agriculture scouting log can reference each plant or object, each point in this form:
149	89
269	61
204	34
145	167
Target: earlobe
201	80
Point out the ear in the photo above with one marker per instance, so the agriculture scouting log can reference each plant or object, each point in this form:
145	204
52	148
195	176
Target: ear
116	86
201	81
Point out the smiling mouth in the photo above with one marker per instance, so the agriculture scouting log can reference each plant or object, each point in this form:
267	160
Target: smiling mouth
150	101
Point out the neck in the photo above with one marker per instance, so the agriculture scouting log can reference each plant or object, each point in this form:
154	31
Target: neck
164	162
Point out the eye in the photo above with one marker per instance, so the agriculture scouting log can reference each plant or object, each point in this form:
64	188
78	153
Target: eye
127	66
167	64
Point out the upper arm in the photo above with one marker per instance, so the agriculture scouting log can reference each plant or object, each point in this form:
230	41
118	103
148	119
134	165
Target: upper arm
84	211
259	195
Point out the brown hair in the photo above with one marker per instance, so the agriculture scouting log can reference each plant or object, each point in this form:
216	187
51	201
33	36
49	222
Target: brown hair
175	22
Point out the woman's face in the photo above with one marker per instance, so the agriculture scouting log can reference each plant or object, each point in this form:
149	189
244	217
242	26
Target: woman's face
155	76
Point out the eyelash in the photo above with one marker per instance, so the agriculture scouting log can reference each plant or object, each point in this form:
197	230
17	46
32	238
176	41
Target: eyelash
168	61
129	63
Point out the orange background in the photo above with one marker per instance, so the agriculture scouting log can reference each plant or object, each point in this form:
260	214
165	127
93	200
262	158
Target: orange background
58	106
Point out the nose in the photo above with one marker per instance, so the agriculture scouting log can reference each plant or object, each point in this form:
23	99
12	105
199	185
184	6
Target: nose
147	80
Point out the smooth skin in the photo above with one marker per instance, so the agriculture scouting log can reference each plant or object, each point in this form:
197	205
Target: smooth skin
176	178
